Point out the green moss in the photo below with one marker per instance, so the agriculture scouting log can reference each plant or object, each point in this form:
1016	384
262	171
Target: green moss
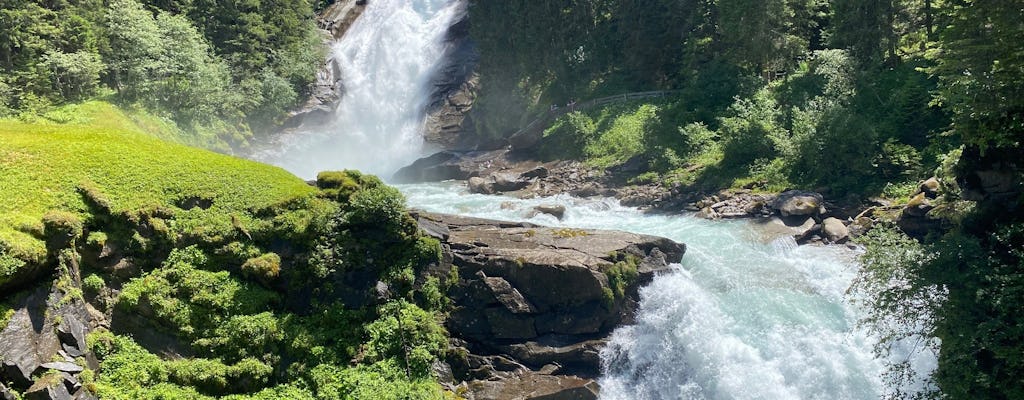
622	274
62	224
569	233
265	267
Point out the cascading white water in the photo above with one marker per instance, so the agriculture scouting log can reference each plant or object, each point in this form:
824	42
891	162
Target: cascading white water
745	316
388	58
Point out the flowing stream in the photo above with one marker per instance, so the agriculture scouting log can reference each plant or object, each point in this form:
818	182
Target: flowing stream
746	315
388	58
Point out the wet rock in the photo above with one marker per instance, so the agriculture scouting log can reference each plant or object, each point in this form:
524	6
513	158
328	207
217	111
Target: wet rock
437	167
797	202
540	296
326	90
456	83
480	185
834	230
555	210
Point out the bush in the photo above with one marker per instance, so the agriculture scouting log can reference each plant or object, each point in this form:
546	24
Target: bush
748	133
93	284
339	185
381	207
408	334
384	380
266	267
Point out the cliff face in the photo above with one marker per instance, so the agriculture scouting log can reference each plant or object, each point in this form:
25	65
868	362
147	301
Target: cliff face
455	90
333	21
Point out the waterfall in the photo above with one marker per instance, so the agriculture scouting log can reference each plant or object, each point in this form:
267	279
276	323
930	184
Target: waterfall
388	59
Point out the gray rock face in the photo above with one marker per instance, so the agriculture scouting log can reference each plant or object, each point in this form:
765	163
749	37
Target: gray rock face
455	90
33	338
44	390
480	185
797	202
28	341
536	387
540	296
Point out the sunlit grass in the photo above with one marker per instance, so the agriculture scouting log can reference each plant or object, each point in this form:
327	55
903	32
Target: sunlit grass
44	162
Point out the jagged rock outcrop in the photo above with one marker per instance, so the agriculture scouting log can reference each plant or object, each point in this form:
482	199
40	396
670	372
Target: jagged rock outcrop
534	304
47	333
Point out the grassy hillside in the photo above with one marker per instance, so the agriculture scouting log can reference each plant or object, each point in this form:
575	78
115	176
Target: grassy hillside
47	166
238	263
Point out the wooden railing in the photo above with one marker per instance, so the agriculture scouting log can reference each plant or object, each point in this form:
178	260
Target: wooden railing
524	137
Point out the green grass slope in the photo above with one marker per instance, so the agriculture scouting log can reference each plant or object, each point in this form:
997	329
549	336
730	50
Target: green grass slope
45	165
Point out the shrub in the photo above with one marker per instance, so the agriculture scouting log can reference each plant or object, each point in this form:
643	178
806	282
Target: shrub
382	207
93	284
408	334
265	267
748	133
339	184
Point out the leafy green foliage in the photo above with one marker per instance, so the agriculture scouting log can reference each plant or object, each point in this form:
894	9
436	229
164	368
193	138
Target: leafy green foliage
411	336
383	380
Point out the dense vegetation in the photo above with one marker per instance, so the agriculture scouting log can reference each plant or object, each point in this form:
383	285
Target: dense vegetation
267	286
853	98
220	70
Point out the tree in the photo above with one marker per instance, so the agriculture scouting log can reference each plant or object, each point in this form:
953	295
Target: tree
980	67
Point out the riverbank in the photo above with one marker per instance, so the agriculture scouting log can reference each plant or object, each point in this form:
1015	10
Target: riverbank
810	216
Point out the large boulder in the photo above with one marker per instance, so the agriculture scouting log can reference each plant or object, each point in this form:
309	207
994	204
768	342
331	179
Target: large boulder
834	230
552	279
437	167
554	210
480	185
543	298
798	202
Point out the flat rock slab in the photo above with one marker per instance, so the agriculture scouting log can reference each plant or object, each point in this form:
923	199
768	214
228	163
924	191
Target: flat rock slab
536	387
